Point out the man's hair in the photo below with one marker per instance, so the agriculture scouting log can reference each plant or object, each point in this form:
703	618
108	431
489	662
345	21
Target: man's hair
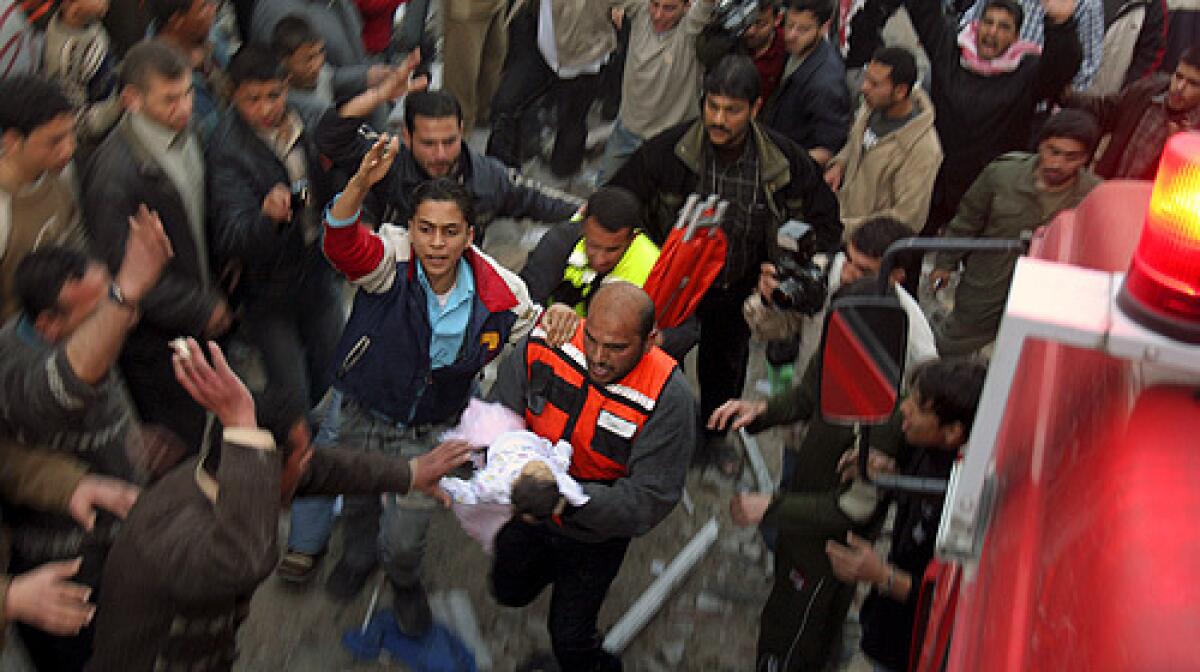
42	274
821	9
615	209
1074	125
1191	56
772	5
534	496
162	10
292	32
430	104
446	190
33	102
877	234
254	63
1011	6
902	63
152	57
735	77
950	389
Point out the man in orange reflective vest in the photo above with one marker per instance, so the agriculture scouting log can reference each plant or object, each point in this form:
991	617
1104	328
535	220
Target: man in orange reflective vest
632	419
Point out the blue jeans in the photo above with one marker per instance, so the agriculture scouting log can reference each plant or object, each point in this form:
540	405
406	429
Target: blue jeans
622	143
312	517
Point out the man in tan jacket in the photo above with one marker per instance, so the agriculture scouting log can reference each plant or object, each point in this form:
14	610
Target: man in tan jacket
891	157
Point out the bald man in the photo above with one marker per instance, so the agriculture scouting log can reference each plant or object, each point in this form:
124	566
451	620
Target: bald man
632	420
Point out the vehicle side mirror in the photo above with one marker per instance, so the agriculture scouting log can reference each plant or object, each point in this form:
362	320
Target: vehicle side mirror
862	360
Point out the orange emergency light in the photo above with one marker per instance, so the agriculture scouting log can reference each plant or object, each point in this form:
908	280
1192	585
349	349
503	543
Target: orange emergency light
1162	288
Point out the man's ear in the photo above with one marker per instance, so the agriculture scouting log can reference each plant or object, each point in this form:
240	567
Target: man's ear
898	275
655	338
954	434
131	98
48	325
405	136
9	140
756	107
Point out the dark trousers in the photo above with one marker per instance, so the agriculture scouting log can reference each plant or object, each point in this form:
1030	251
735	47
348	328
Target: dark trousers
801	623
530	557
724	347
159	398
297	335
526	80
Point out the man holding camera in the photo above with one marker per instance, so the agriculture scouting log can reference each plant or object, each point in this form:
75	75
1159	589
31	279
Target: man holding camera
266	189
766	179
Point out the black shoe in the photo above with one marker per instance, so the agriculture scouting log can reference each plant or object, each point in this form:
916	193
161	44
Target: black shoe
345	583
411	605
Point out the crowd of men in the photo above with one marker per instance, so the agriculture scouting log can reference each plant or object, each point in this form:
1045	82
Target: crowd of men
166	198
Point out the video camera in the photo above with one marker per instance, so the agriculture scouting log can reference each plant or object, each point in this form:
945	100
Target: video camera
802	285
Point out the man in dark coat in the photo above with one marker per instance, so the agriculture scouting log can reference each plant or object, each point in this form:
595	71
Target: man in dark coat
196	546
152	157
812	106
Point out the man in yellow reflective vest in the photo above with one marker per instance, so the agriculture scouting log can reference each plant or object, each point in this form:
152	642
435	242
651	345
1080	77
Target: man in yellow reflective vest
602	244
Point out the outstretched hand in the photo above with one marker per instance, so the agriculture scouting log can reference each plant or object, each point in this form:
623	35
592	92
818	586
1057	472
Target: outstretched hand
101	492
1059	11
400	81
215	387
147	251
736	414
377	161
428	469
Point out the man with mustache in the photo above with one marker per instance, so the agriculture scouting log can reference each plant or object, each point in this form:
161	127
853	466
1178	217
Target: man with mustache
767	180
1016	193
433	147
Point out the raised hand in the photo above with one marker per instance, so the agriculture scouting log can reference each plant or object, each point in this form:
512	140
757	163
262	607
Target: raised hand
376	162
400	81
215	387
1059	11
147	251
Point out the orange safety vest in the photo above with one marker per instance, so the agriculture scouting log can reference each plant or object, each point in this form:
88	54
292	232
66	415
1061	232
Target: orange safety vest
601	422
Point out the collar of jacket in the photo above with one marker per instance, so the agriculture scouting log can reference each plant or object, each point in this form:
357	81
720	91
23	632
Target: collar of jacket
490	286
775	171
908	134
148	166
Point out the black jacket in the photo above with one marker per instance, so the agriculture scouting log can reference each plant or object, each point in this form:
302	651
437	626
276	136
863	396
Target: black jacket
121	175
498	191
665	170
812	106
242	170
981	117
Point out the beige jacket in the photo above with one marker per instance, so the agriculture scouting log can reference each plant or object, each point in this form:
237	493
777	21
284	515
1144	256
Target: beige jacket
583	29
895	177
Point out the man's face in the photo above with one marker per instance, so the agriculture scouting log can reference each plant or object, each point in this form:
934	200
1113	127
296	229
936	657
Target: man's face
997	31
801	32
1184	94
304	65
196	23
1060	160
604	248
77	300
858	265
439	234
47	148
612	344
436	143
878	91
167	102
87	11
758	34
727	120
665	14
262	104
922	427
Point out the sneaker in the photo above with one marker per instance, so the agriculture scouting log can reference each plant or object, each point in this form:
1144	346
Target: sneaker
297	567
345	583
411	605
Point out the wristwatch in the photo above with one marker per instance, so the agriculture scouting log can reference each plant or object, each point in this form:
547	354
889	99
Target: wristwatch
118	297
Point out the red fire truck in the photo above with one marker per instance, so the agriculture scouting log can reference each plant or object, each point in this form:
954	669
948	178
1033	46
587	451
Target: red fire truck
1070	538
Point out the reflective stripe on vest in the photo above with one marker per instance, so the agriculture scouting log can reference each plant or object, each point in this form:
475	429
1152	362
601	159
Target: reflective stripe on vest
600	421
634	267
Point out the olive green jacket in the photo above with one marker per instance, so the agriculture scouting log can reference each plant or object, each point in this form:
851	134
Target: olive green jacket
1003	203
